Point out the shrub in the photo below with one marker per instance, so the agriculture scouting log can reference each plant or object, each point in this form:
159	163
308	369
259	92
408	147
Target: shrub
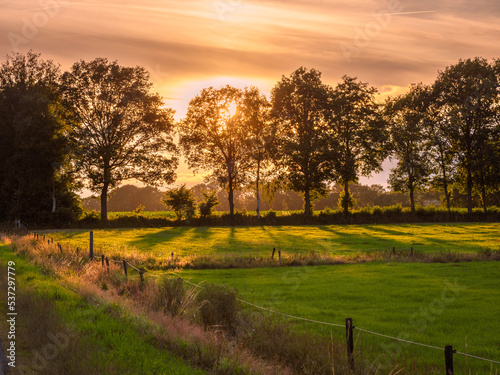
182	202
218	307
207	206
174	297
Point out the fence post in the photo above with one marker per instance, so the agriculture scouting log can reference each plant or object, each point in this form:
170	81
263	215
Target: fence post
279	255
102	260
77	250
141	274
411	251
107	263
125	266
448	356
350	342
274	250
60	247
91	245
394	250
172	255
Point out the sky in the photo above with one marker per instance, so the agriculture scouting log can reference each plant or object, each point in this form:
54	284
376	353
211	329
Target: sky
187	45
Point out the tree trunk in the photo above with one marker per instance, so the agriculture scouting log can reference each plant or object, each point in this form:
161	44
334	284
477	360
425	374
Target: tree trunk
412	200
230	198
104	203
307	202
346	198
257	189
469	191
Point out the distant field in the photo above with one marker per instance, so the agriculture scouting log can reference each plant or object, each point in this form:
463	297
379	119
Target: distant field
331	239
434	304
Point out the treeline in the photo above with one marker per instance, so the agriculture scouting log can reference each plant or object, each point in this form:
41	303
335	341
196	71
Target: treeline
99	124
130	198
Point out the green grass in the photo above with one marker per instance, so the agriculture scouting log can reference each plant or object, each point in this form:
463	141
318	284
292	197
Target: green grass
116	342
402	300
331	239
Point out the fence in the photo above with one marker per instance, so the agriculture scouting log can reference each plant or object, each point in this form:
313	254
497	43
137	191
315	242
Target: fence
349	323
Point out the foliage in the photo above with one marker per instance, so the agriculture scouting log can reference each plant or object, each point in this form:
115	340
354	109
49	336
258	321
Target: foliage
36	181
358	132
218	307
346	200
181	201
408	141
467	95
210	201
303	158
120	130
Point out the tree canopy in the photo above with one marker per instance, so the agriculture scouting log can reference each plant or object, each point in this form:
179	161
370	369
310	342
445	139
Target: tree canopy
121	130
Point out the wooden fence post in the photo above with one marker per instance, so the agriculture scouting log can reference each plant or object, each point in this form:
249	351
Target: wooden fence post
125	266
107	263
77	250
60	247
448	356
141	274
394	250
91	245
411	251
350	342
172	255
279	255
274	250
102	260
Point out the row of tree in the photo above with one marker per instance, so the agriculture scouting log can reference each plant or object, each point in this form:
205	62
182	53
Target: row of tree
99	124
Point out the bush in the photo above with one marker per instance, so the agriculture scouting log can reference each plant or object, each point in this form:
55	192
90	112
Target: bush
207	206
218	307
182	202
174	297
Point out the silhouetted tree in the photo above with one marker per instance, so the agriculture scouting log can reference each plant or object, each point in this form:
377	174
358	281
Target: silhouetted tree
214	138
120	129
409	141
467	94
36	183
181	201
357	131
302	157
255	111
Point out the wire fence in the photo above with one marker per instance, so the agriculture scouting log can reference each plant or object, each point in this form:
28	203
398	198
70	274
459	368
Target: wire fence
142	271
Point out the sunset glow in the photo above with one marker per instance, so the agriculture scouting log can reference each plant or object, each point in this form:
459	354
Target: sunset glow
189	45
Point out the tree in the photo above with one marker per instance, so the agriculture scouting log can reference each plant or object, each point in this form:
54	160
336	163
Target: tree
213	138
357	132
302	156
255	117
467	95
121	131
210	201
181	201
36	183
409	141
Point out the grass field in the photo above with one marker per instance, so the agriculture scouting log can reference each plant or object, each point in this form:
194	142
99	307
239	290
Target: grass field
434	304
104	342
331	239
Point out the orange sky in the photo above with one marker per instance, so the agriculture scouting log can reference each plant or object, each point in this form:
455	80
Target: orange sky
191	44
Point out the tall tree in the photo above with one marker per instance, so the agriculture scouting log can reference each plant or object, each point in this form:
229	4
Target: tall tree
300	109
409	142
213	138
467	94
358	130
255	111
121	130
36	184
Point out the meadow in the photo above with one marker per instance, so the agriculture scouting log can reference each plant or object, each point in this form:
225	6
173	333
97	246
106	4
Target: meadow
435	304
260	240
